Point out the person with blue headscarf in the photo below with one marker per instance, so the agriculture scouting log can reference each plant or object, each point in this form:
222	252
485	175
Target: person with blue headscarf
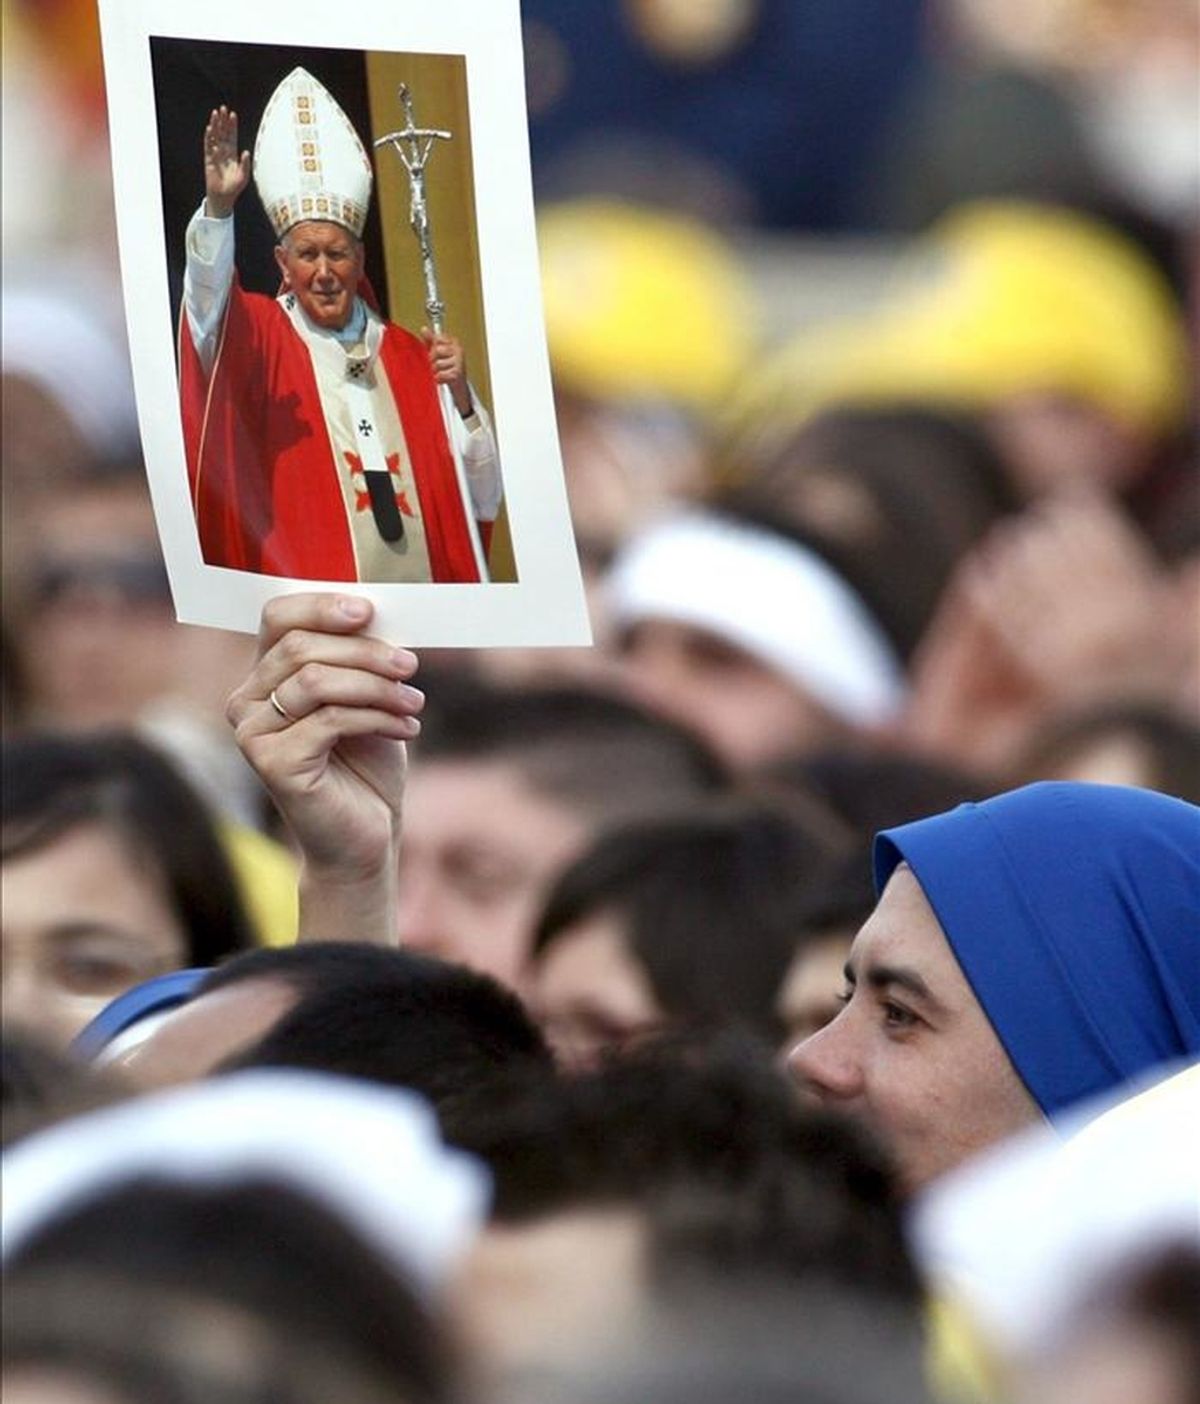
1027	953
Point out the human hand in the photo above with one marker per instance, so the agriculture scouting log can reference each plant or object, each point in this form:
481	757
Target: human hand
1079	603
448	362
966	703
329	749
226	173
1060	607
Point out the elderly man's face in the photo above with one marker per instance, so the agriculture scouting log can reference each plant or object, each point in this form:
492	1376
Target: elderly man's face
322	263
912	1053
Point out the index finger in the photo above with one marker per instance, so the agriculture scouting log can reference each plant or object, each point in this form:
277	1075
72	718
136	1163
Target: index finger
319	612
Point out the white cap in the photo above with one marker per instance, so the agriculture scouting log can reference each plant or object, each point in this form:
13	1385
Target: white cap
57	338
769	596
1023	1234
371	1155
309	162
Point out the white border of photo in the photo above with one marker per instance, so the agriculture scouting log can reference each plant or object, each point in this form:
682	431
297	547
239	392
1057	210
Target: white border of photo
546	605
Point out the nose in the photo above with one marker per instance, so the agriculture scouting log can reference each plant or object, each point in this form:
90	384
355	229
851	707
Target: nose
324	273
826	1063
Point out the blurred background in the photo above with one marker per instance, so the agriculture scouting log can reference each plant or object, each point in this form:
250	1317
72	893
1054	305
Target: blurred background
873	327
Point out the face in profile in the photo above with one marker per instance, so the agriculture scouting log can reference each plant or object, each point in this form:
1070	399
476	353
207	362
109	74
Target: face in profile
85	917
911	1053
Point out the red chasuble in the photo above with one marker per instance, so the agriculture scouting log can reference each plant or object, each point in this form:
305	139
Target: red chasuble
260	464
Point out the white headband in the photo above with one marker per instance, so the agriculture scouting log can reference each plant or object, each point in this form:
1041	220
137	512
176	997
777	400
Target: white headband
70	354
372	1155
768	596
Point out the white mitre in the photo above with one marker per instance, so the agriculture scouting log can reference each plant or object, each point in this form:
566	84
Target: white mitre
309	162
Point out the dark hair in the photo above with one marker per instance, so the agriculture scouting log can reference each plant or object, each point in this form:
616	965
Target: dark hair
1169	741
1154	1290
404	1020
891	495
602	755
41	1086
753	1341
141	1345
872	789
709	1138
708	899
258	1246
1161	1292
54	783
840	896
307	967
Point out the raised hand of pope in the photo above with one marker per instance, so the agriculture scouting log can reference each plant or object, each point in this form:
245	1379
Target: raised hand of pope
226	170
330	745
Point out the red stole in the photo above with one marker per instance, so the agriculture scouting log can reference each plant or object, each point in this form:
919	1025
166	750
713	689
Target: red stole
260	465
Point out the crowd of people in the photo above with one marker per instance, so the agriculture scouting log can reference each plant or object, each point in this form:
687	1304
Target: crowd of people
793	996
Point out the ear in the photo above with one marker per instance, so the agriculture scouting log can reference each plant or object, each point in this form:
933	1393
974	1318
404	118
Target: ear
281	260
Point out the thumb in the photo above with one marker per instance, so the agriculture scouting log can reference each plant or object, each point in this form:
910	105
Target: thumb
427	336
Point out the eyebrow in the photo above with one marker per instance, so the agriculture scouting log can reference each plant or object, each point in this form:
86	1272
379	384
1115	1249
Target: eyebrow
882	977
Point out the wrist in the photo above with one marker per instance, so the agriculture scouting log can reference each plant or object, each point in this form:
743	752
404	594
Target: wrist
344	902
217	209
343	872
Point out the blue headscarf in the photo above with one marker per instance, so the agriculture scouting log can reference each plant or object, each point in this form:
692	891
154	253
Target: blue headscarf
1074	912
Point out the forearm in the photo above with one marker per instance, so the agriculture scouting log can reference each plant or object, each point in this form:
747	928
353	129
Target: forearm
207	279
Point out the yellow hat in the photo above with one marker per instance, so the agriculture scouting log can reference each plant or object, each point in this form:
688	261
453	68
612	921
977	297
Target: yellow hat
642	305
998	300
268	879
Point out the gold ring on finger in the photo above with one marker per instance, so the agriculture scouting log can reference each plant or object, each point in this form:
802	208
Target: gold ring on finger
273	699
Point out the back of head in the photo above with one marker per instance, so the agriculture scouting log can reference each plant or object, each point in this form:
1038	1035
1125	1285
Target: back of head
1148	744
1073	911
862	484
307	967
752	1341
598	754
707	902
708	1140
873	789
94	1338
256	1247
54	783
404	1020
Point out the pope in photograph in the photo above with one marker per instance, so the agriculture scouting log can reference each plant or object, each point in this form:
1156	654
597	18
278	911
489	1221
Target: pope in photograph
316	442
